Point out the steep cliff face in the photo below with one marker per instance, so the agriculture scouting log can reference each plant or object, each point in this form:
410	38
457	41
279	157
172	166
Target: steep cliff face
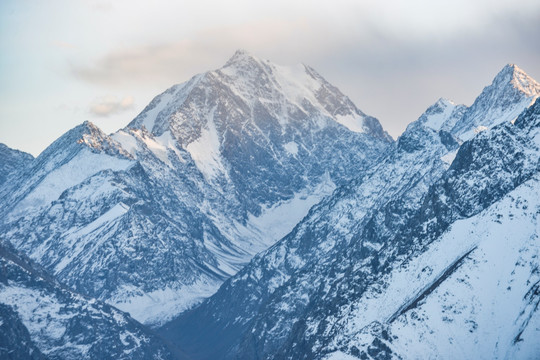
348	280
156	216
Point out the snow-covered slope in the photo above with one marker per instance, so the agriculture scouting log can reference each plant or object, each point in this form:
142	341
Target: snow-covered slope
155	217
132	235
474	292
299	299
40	319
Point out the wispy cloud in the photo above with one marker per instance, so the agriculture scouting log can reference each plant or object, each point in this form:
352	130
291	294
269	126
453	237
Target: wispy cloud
109	105
173	62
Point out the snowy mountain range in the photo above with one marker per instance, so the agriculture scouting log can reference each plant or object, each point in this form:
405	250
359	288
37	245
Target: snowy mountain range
325	238
155	217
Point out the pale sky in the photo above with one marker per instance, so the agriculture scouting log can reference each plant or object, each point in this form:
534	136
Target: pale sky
66	61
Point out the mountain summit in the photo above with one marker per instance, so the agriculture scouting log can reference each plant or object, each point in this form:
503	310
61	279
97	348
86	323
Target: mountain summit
519	79
279	115
241	56
285	92
511	91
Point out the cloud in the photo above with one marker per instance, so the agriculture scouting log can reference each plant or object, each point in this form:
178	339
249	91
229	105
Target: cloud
373	30
169	63
109	105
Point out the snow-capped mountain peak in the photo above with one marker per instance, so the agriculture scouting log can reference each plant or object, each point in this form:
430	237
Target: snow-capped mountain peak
57	168
444	102
257	80
252	76
511	91
92	137
250	98
240	58
433	126
86	135
519	79
442	115
245	81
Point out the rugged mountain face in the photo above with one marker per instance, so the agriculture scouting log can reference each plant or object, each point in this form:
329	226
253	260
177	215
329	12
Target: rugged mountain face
39	318
120	233
421	155
12	161
264	132
156	216
414	232
15	341
464	278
